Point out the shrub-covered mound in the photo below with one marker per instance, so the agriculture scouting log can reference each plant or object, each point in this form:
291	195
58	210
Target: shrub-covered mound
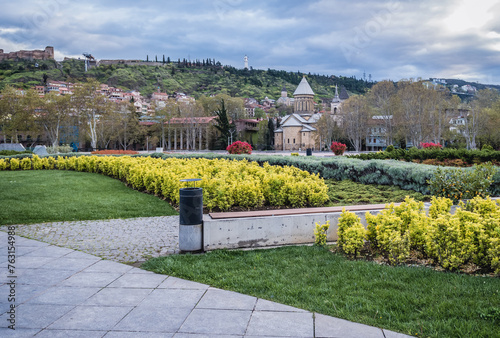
226	183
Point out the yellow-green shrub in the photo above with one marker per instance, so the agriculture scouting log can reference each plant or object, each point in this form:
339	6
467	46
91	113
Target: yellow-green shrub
391	239
484	214
37	163
451	242
494	253
397	229
439	206
4	165
320	233
351	233
25	163
14	164
470	235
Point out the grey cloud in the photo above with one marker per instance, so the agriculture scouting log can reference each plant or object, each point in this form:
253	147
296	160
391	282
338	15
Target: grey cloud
390	39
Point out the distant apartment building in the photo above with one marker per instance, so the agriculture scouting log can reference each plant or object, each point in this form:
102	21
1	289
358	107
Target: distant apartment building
159	96
377	139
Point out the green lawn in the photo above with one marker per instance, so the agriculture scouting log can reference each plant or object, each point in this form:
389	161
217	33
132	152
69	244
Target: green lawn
411	300
37	196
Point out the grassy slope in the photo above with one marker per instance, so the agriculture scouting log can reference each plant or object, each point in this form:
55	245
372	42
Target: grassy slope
44	196
405	299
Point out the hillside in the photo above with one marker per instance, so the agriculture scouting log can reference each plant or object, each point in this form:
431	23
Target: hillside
194	79
460	83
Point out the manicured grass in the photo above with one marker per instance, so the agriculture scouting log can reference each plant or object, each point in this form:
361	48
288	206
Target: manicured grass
353	193
37	196
411	300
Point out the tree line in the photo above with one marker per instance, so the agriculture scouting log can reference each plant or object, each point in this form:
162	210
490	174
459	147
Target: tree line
103	124
409	113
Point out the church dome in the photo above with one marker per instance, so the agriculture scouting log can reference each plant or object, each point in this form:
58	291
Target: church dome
304	88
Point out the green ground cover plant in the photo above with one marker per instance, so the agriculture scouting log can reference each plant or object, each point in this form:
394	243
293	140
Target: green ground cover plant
347	192
54	195
413	300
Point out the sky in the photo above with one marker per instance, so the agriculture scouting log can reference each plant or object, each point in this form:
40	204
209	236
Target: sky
385	39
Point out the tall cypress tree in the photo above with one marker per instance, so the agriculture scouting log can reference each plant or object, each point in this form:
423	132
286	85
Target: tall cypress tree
223	126
270	134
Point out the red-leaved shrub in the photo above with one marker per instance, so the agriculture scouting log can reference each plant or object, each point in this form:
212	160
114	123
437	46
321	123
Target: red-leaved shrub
239	147
430	145
338	148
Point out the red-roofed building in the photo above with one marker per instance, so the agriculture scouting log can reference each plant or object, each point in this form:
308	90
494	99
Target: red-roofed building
159	96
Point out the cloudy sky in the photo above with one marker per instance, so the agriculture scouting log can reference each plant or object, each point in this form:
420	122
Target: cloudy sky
387	39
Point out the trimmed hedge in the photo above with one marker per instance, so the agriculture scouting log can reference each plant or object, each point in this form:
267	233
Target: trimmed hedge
468	156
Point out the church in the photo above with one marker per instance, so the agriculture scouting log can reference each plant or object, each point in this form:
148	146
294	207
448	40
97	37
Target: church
297	131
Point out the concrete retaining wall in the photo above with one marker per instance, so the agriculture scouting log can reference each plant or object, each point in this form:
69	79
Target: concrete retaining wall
254	232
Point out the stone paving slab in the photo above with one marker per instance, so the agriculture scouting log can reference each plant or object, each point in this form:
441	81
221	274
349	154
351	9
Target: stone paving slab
281	324
216	321
228	300
326	326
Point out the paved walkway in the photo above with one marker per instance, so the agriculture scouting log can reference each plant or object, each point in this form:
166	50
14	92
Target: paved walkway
119	240
60	292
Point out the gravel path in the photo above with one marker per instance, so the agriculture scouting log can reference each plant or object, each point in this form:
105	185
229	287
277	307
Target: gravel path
119	240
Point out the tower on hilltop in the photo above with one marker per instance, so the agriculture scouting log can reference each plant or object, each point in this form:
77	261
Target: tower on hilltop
246	61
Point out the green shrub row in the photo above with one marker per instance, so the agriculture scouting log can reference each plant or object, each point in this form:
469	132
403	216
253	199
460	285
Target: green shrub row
468	156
